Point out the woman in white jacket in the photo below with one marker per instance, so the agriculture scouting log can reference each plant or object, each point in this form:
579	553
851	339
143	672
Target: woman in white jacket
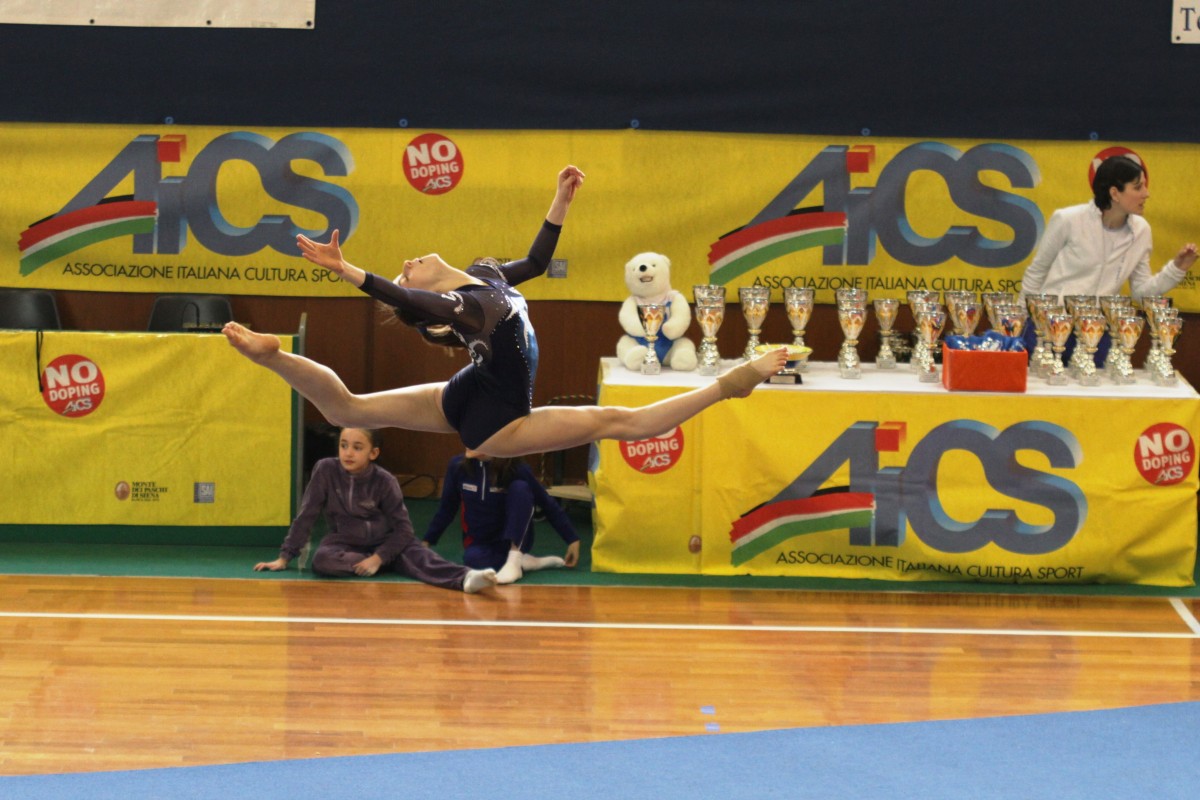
1096	247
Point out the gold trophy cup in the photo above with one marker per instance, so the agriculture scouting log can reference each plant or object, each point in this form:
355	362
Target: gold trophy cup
798	302
886	309
755	302
652	321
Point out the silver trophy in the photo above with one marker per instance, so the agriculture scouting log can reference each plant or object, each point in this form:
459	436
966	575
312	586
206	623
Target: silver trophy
886	309
1128	330
1151	306
1169	326
992	300
931	320
852	315
1089	330
1114	308
967	314
952	299
798	302
919	299
1078	305
1041	361
1010	319
710	313
1059	323
755	302
652	316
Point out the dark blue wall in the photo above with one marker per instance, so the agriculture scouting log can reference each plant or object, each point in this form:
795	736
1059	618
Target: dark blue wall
1054	69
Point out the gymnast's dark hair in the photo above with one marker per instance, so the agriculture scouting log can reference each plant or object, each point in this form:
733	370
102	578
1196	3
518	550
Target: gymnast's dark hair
1114	171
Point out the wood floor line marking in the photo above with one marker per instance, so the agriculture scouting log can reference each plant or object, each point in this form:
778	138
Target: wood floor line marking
1194	634
1186	613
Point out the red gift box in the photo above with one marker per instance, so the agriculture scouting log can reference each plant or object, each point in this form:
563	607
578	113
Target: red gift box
984	370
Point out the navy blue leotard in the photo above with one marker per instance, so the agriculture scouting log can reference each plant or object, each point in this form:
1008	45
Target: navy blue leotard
492	322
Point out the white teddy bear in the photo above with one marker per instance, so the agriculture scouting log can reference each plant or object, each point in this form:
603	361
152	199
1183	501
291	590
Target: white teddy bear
648	278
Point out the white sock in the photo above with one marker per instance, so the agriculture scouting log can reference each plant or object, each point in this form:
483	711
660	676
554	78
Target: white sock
479	579
532	563
511	572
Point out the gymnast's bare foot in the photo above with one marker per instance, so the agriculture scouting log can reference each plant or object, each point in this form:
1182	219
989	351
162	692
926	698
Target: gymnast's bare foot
258	347
742	379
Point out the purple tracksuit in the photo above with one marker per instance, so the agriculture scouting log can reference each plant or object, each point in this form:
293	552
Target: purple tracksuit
366	516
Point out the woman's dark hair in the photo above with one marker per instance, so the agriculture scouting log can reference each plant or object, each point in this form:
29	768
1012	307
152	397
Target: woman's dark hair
1115	171
502	471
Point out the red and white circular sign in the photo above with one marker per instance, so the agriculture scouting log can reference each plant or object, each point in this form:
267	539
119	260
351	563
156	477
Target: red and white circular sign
1165	453
72	385
654	455
433	163
1109	152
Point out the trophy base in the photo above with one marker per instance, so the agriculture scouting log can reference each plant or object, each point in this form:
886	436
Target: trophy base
786	378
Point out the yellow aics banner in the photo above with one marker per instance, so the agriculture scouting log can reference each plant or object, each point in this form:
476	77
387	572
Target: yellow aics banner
903	485
141	430
201	209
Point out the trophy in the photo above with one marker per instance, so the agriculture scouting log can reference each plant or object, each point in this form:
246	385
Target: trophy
848	294
755	302
798	302
1089	329
1041	361
1128	330
991	300
1074	302
652	320
919	299
852	315
1114	307
886	309
966	314
950	298
710	313
1151	305
1169	326
1058	324
1009	319
1078	305
930	322
706	292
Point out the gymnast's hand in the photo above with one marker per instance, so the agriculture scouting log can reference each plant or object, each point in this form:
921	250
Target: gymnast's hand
569	180
572	556
329	256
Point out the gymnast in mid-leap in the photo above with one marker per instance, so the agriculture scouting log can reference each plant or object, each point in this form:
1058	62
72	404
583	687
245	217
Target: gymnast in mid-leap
489	402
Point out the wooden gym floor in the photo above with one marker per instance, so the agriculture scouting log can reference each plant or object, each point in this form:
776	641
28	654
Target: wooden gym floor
132	673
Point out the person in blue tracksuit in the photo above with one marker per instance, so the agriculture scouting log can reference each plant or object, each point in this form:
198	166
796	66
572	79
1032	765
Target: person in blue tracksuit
498	497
